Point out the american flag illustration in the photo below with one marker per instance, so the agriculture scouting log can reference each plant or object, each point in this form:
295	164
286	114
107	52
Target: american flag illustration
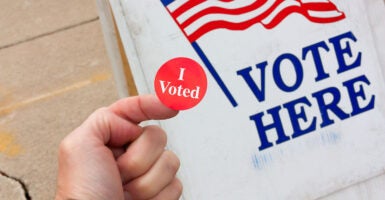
195	18
198	17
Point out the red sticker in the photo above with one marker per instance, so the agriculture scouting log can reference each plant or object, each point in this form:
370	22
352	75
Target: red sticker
180	83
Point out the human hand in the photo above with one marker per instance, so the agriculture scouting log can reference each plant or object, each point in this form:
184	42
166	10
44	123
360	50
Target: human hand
111	157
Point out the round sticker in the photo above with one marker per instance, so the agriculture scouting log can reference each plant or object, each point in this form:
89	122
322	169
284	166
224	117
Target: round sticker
180	83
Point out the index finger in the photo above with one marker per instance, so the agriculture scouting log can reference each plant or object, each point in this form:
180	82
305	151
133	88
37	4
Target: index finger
141	108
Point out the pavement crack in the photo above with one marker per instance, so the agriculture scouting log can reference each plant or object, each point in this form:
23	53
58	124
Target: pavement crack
49	33
21	182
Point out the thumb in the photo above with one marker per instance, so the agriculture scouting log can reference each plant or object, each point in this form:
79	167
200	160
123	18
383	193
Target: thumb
117	124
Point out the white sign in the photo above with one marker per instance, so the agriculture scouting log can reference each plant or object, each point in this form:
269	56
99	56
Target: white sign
294	106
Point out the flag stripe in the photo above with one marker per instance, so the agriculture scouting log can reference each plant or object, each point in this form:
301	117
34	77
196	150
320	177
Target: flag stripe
242	25
325	20
283	9
315	1
324	6
232	19
214	4
218	10
198	17
313	16
273	21
324	14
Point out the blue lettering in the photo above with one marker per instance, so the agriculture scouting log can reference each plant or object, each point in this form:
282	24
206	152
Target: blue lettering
340	52
353	95
295	116
296	111
328	100
278	75
262	128
332	106
314	49
245	73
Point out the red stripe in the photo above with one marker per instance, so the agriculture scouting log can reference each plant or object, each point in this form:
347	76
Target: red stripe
323	20
323	6
218	10
282	15
303	10
230	25
185	7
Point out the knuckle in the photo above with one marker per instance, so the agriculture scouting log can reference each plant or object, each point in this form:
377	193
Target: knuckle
135	165
67	146
172	161
99	112
158	135
172	191
177	187
100	118
143	190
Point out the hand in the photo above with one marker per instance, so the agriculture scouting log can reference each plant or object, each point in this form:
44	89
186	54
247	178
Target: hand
111	157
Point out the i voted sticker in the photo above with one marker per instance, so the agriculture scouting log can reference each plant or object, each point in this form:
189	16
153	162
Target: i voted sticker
180	83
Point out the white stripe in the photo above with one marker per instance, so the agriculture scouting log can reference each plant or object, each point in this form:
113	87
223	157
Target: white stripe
324	14
176	4
230	18
208	4
283	5
315	1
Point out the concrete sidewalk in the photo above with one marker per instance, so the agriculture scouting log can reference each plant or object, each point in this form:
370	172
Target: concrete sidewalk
54	72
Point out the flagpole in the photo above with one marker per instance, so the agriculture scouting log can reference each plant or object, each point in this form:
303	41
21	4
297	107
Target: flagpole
214	73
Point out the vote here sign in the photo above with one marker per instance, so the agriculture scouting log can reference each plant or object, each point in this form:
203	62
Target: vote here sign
294	103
